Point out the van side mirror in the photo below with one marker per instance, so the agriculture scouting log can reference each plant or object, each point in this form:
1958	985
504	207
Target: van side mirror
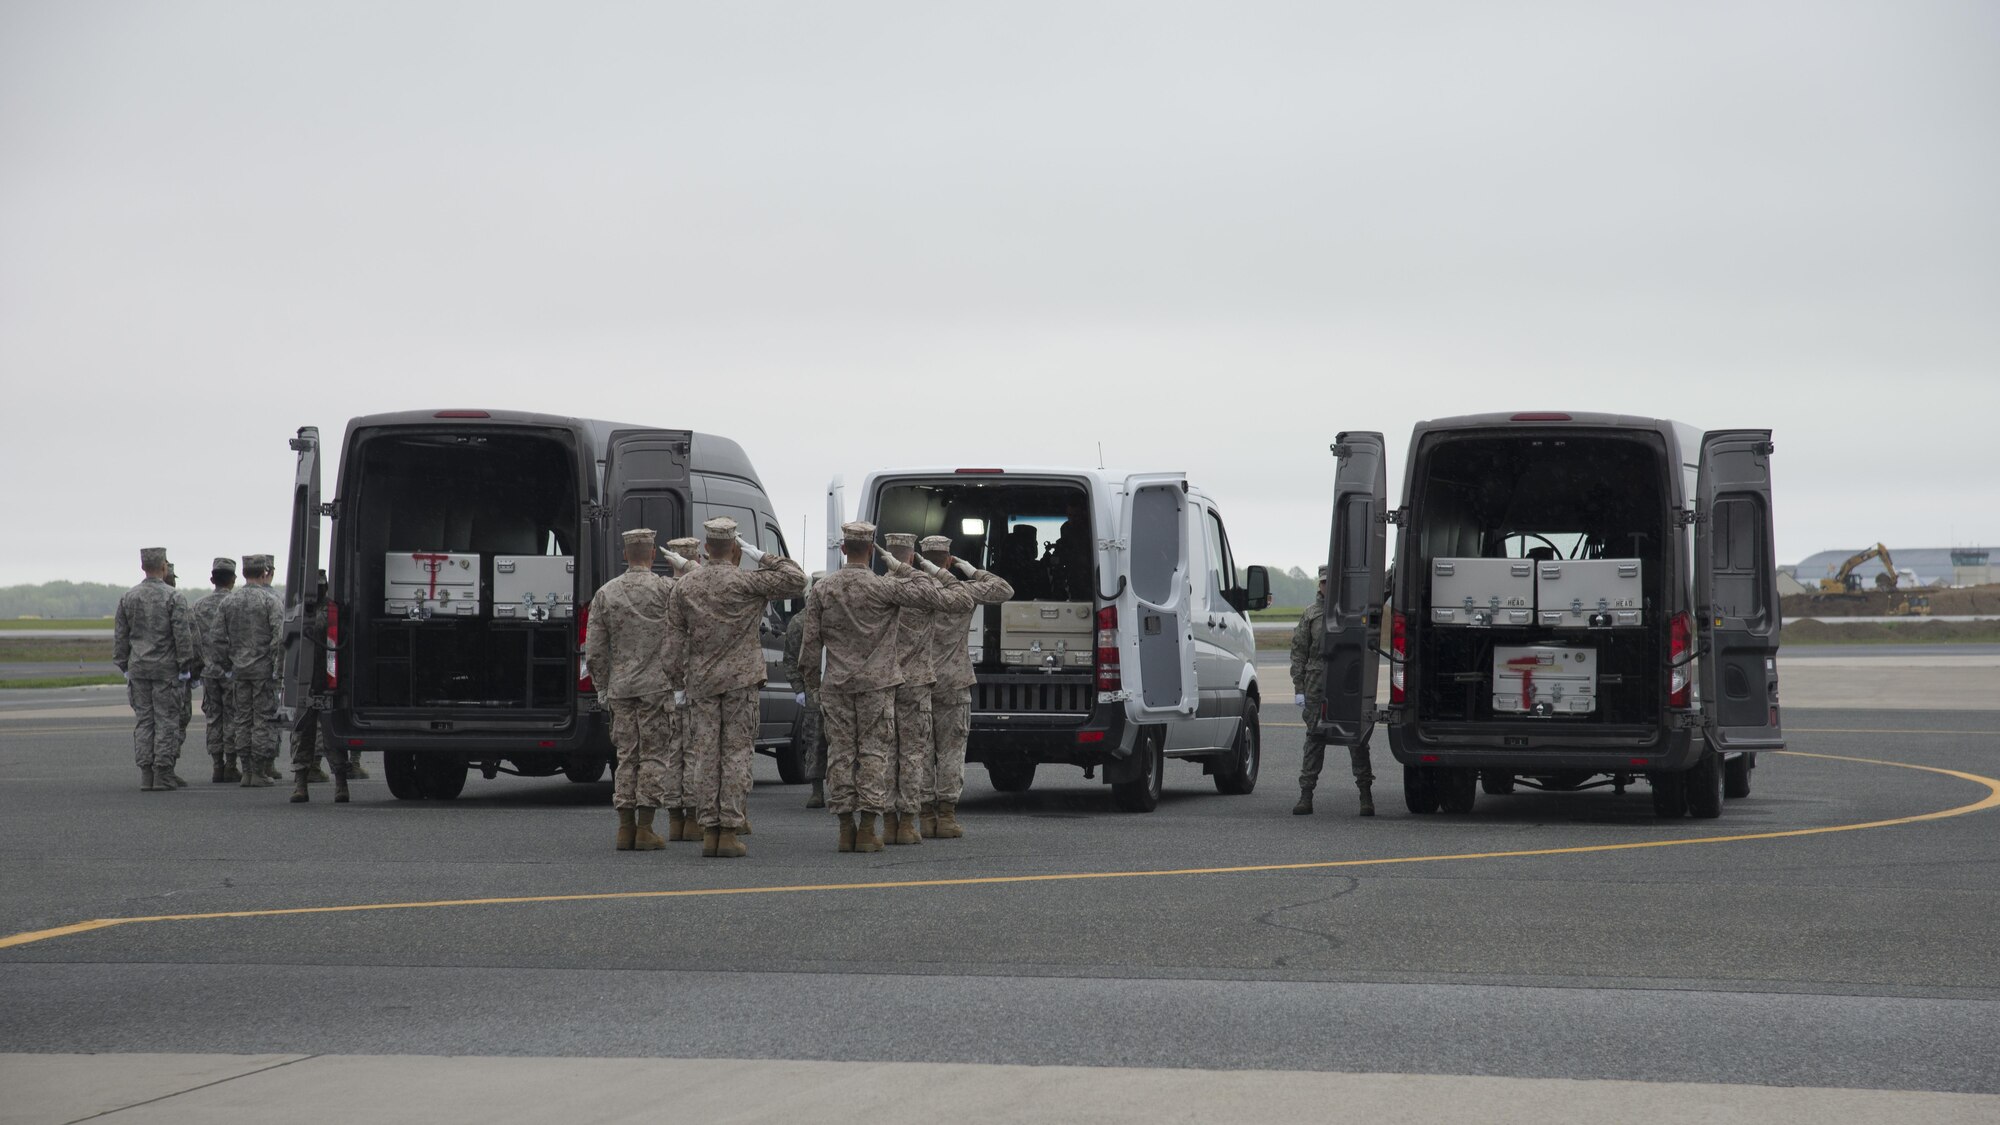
1257	579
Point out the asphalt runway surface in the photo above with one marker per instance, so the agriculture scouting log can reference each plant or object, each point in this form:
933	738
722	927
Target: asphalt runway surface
1217	932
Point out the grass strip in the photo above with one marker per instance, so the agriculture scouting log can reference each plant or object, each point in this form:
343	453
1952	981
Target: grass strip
61	682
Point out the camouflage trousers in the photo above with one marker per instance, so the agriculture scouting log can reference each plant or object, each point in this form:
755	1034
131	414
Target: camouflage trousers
1357	756
215	716
812	743
860	740
156	708
186	717
253	719
722	737
951	720
648	772
909	769
308	738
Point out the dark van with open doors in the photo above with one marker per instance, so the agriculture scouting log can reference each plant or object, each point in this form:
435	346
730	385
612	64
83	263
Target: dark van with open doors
465	548
1579	600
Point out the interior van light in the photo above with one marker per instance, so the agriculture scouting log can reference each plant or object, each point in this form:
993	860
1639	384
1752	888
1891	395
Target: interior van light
971	527
461	414
979	470
1543	417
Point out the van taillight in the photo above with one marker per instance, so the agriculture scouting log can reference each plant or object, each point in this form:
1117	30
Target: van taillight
1399	648
332	645
1680	640
461	414
1110	677
583	682
1542	416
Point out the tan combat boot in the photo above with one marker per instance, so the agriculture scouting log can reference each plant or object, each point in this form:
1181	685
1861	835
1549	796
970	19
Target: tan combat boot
627	830
818	798
727	846
889	826
354	769
690	826
146	783
948	826
676	824
299	794
864	834
846	832
927	824
270	769
711	842
253	774
318	775
906	831
339	785
644	839
229	771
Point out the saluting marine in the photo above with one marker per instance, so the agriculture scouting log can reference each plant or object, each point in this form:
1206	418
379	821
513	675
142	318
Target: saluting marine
1309	684
683	554
951	695
714	614
626	650
812	747
153	644
248	640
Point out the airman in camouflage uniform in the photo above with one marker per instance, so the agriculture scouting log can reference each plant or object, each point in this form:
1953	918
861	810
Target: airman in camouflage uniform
627	650
852	631
214	688
153	644
309	729
714	614
951	695
248	640
1309	684
812	748
189	685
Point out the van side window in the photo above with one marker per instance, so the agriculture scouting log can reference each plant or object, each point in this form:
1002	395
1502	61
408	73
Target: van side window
770	539
1221	567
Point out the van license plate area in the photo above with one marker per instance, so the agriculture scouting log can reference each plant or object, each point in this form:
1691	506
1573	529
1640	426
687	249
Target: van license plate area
1544	680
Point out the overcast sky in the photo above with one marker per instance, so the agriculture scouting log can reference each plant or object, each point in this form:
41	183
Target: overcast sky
862	235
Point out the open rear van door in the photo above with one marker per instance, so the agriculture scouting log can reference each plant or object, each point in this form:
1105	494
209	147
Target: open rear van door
302	578
1736	592
1357	559
1154	598
645	485
836	514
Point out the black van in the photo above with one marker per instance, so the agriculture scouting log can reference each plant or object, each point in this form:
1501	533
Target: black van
466	545
1579	600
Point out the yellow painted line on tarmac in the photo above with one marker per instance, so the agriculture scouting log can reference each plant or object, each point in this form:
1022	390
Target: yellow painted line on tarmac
1990	801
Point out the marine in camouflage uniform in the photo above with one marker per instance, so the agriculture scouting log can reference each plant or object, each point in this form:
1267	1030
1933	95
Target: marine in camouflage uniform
1309	684
849	655
812	747
627	648
951	695
153	644
214	688
714	615
683	554
248	636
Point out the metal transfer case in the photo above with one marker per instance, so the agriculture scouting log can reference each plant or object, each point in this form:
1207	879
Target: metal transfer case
975	643
1047	635
1590	594
534	587
430	584
1482	592
1544	680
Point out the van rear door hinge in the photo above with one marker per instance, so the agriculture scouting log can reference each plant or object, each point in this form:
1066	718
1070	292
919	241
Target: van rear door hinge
1688	517
330	509
595	512
1111	544
1398	516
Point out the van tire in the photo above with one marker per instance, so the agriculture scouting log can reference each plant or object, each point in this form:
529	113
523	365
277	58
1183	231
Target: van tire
441	778
1736	775
1496	783
1011	777
1142	793
1669	794
399	769
1419	792
791	763
1458	789
1236	774
582	771
1704	786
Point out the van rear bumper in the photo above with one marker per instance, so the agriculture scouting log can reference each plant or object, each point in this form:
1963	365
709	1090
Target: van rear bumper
1095	739
589	733
1661	750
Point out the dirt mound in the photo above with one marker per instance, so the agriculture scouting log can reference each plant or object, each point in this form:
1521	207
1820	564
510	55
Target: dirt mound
1969	602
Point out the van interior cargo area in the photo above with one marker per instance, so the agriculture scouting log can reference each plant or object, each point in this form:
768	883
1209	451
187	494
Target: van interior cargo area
1038	536
1559	497
489	494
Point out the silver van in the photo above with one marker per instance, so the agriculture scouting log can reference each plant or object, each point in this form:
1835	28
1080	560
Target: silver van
1578	600
465	548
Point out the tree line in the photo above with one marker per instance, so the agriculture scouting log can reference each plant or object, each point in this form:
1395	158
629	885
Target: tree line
76	600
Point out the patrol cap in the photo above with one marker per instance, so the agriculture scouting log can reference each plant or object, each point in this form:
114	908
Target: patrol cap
899	539
638	535
256	562
721	529
857	531
1322	574
224	564
936	543
684	546
152	558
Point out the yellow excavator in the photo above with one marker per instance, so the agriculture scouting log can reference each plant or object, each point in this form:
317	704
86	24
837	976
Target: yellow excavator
1845	581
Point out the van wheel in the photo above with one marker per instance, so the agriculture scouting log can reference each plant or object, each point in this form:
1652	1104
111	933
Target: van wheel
1704	786
791	763
580	770
441	778
1736	775
1011	777
399	768
1419	792
1496	783
1236	774
1669	794
1457	789
1142	794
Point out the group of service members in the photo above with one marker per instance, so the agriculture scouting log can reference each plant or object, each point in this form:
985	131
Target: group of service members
883	660
230	646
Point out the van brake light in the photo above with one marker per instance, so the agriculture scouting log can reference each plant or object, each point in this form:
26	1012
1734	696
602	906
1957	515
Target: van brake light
332	644
462	414
1542	416
979	470
1399	648
1680	637
583	681
1110	677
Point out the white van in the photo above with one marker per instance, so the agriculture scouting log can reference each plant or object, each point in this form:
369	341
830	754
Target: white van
1127	641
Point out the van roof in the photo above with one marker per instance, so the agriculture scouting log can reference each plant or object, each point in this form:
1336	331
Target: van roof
709	453
975	471
1547	418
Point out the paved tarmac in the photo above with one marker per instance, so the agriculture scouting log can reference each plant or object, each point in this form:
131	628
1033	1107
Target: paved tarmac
1555	944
